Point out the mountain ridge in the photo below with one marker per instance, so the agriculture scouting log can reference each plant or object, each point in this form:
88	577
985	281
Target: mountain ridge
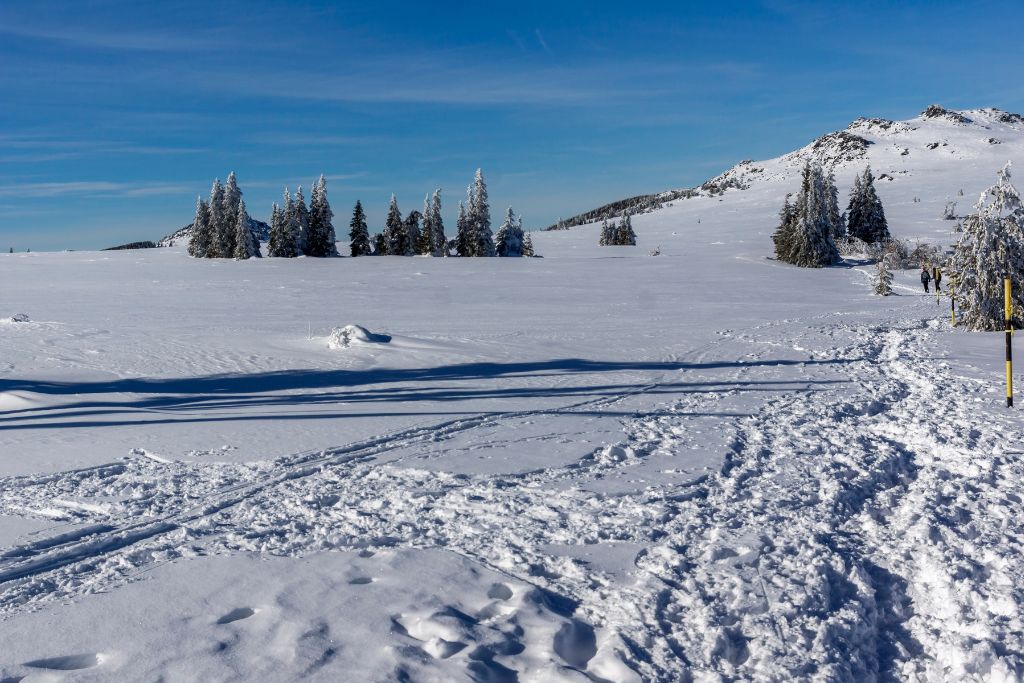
864	141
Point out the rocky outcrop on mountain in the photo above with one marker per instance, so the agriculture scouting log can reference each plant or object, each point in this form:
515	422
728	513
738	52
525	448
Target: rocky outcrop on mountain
935	111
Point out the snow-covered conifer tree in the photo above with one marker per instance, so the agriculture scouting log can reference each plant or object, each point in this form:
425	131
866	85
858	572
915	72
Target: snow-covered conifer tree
412	232
479	215
784	233
855	211
246	245
275	231
202	234
276	228
300	220
321	240
438	241
527	245
359	234
883	277
219	222
395	237
991	248
424	245
380	245
608	233
865	216
464	241
288	241
876	225
232	197
835	219
509	239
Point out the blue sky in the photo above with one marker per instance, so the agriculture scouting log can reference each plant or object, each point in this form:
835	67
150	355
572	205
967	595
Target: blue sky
115	115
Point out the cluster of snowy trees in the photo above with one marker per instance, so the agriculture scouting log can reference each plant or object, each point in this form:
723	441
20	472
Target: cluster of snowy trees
618	234
221	226
865	217
810	226
422	233
298	230
990	249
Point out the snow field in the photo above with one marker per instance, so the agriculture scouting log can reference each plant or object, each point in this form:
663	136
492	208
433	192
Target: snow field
596	466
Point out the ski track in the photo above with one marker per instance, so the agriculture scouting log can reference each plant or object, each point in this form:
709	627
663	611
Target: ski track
863	531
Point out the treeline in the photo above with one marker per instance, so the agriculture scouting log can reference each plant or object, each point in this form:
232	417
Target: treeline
221	227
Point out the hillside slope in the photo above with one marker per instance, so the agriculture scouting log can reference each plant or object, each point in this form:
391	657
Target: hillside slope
920	164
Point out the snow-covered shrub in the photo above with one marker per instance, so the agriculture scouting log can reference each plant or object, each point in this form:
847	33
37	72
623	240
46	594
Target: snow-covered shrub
19	318
350	335
925	254
851	246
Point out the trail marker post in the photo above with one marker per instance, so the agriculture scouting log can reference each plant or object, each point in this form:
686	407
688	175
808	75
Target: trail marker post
1008	319
935	279
952	300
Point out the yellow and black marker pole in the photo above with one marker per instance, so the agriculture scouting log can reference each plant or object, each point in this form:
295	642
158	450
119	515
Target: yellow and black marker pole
1008	314
935	278
952	300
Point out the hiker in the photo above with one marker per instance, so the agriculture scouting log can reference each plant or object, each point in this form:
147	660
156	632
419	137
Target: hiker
938	278
925	277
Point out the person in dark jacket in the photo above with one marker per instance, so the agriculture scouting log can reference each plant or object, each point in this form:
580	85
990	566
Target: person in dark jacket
925	277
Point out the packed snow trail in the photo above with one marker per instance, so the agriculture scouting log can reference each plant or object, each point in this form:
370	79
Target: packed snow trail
864	535
813	554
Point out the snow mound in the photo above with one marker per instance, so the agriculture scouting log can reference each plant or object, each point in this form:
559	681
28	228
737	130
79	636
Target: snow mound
18	318
353	335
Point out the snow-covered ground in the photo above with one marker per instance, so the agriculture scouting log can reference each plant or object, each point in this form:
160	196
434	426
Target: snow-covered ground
599	465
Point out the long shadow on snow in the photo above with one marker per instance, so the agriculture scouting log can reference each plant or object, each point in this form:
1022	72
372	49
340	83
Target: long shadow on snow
286	380
226	392
385	395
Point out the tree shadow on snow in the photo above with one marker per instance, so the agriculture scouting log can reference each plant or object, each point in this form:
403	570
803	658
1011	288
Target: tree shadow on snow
295	388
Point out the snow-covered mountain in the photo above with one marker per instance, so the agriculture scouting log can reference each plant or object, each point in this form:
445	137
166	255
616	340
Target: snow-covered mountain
937	157
260	230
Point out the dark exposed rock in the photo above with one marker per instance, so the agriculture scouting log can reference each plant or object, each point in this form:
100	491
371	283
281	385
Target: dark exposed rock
935	111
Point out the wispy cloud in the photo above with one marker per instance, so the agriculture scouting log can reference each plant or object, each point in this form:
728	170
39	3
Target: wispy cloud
540	39
31	147
91	187
453	79
105	39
